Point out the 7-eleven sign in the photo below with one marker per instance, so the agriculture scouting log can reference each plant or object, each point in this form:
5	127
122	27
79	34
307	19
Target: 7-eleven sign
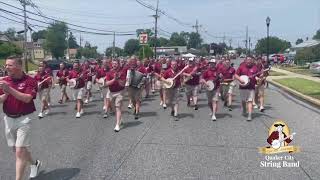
143	37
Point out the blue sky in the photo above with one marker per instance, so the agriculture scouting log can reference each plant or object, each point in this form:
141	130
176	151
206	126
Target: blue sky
290	19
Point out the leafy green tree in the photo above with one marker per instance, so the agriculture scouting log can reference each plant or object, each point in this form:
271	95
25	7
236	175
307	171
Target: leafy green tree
12	35
131	47
299	41
8	49
317	35
147	52
276	45
56	39
194	40
87	51
163	41
72	41
38	35
118	51
177	39
309	54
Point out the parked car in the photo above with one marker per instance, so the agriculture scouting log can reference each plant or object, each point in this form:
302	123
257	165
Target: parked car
55	64
315	67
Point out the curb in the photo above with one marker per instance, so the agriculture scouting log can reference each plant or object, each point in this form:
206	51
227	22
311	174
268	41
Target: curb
296	94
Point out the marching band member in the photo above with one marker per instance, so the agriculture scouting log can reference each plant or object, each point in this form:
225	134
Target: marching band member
115	80
192	85
62	75
78	77
48	71
212	74
247	92
17	93
101	73
147	66
43	80
228	82
261	82
172	94
86	68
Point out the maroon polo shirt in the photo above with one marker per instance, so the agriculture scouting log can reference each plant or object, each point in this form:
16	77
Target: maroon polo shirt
27	85
75	74
101	72
169	73
249	71
40	76
63	73
211	74
227	72
195	77
116	87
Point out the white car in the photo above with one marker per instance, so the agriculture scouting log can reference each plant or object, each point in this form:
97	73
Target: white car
315	67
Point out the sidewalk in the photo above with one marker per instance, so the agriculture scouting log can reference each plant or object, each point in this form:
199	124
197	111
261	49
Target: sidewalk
293	92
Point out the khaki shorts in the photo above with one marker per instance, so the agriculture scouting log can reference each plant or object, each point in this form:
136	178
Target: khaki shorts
44	94
89	85
247	95
172	96
18	131
105	91
260	90
228	87
63	88
213	95
134	94
78	94
117	97
192	90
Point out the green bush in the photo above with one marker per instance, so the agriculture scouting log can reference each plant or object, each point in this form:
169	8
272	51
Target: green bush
8	49
306	55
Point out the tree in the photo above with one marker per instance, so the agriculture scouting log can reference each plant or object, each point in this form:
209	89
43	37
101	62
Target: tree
317	35
12	35
309	54
163	41
299	41
177	39
72	41
38	35
194	40
56	39
131	47
118	51
147	52
8	49
87	51
276	45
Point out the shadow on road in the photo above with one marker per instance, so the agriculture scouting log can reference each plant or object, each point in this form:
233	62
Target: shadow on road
131	124
91	113
89	105
257	115
184	115
148	114
66	174
223	115
56	113
59	105
148	99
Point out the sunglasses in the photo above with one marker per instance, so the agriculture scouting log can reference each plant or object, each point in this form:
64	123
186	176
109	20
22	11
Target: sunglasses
276	125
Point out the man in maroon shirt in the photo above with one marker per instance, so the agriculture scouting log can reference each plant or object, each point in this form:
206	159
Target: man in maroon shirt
212	74
192	85
261	82
228	83
89	71
247	92
43	80
101	75
17	92
62	75
48	72
115	80
76	75
172	94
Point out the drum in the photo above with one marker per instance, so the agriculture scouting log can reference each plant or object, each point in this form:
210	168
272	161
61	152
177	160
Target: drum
210	85
245	79
136	79
72	83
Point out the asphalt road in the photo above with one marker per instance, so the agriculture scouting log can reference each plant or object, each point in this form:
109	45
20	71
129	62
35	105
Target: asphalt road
156	147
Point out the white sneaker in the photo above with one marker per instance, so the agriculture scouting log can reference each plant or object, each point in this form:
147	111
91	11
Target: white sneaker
34	169
49	104
90	99
81	112
104	108
46	112
105	115
164	105
40	115
161	103
213	117
86	101
130	106
117	128
255	106
78	115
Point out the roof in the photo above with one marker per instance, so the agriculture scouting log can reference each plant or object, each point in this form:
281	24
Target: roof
306	44
4	38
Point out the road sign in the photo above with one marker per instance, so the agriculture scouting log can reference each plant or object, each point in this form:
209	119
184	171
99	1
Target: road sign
143	37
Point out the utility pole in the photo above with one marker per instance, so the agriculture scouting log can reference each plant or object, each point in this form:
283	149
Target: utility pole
113	45
25	54
80	39
249	45
247	40
230	42
197	26
156	16
68	48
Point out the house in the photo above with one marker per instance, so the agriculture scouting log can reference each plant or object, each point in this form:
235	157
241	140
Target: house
4	38
35	50
72	54
172	50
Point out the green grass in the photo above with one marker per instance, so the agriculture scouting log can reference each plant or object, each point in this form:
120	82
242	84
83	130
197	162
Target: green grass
274	73
299	70
31	66
304	86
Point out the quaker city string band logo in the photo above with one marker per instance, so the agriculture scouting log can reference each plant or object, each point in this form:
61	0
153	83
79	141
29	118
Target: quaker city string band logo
279	139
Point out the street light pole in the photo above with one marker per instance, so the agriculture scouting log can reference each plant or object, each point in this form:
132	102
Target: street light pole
156	30
268	38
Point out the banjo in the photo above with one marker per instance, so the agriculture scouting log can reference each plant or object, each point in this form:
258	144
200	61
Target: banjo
246	79
210	85
40	83
169	83
101	82
276	144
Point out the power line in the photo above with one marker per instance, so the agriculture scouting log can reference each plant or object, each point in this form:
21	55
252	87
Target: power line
71	24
